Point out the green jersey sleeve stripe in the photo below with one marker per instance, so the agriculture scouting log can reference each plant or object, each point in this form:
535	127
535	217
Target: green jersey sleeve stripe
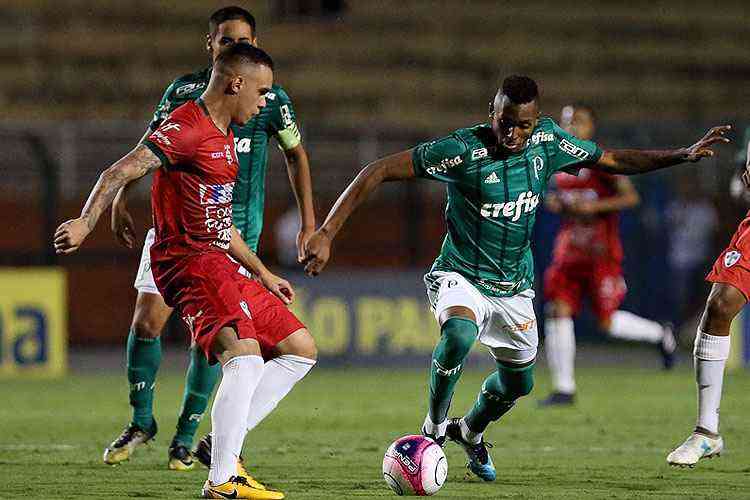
157	151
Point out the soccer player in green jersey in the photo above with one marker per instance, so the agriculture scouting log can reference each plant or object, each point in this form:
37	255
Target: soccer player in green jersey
227	26
480	285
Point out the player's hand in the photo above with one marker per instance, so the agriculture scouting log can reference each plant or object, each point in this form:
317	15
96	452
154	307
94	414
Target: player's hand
318	251
580	208
70	235
278	286
122	224
553	203
702	148
302	237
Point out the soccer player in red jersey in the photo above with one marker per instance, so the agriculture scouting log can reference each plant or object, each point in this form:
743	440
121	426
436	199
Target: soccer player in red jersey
729	293
587	262
235	320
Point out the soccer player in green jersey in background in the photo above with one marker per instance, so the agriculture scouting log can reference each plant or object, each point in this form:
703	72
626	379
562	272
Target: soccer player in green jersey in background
480	285
227	26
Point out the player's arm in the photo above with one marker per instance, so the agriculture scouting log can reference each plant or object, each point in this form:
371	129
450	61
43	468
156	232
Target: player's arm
625	197
298	168
746	173
121	222
396	167
283	126
636	161
240	252
139	162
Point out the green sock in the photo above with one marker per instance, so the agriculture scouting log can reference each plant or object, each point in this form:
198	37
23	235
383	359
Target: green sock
498	395
457	335
199	384
143	360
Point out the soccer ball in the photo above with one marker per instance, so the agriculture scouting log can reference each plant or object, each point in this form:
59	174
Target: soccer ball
415	465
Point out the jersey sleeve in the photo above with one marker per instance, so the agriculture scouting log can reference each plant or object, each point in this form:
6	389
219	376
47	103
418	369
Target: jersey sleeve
176	139
441	160
571	153
283	122
163	109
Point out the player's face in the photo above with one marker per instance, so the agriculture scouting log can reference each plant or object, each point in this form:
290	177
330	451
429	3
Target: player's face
513	123
578	122
252	96
227	34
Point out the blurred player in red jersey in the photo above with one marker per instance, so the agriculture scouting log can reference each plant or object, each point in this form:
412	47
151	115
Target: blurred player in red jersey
587	262
235	320
729	293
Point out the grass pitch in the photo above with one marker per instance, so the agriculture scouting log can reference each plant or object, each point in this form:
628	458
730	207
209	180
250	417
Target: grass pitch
327	439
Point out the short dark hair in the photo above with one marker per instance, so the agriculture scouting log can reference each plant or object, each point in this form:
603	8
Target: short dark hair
243	53
520	89
230	13
582	106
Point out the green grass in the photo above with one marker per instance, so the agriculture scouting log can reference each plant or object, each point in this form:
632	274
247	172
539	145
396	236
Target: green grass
327	439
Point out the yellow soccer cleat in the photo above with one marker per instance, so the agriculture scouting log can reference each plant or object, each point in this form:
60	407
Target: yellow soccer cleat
180	458
238	487
123	447
241	471
203	454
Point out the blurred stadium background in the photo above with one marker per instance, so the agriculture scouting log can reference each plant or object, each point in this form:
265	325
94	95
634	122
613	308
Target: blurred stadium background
79	80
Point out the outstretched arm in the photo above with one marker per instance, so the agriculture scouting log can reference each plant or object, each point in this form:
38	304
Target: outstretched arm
298	168
636	161
239	250
139	162
391	168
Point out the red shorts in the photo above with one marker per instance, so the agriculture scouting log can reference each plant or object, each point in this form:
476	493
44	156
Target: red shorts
210	294
601	281
733	265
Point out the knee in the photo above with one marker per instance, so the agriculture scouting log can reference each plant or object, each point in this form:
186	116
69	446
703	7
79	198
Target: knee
557	309
516	383
722	307
458	337
147	327
300	343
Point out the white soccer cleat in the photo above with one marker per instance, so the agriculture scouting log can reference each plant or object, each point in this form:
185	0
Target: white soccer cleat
696	447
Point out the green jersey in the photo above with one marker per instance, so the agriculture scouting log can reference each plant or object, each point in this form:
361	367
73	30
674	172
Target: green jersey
277	119
493	197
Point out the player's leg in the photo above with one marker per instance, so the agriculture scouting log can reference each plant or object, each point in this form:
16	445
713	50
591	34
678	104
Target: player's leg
200	381
242	368
290	352
511	335
562	290
458	312
710	354
143	360
292	359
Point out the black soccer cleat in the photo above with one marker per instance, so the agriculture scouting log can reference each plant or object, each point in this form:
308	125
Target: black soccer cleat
479	460
180	457
440	440
123	447
558	399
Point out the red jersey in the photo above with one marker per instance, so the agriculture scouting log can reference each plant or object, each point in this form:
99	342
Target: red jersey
582	239
191	195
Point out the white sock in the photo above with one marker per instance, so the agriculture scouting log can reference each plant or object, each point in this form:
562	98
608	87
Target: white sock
469	435
711	353
628	326
279	376
560	345
240	377
433	429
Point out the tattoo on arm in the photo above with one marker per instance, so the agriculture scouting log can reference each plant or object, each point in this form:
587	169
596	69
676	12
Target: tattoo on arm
139	162
636	161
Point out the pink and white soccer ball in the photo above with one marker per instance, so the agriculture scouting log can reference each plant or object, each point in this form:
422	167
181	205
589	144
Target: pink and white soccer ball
415	466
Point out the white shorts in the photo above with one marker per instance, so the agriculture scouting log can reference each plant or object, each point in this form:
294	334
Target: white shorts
507	325
144	280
